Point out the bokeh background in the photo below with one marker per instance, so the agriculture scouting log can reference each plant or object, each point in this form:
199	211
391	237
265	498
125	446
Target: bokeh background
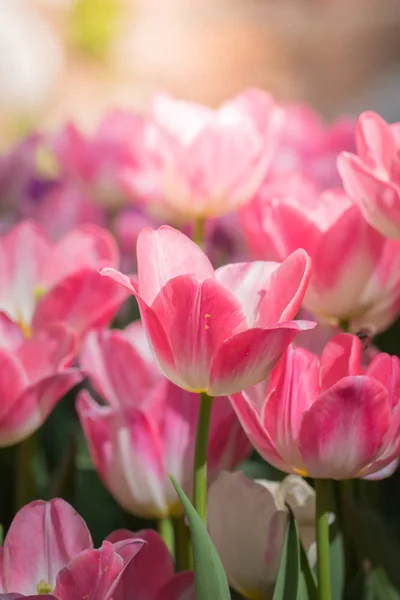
72	59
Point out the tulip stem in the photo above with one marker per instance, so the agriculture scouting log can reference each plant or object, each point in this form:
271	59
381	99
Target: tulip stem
24	476
200	456
322	534
199	232
183	545
166	531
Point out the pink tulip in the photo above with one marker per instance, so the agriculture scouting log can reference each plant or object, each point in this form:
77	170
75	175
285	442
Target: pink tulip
372	177
147	428
43	282
356	271
151	576
34	376
207	162
309	146
214	331
48	549
326	417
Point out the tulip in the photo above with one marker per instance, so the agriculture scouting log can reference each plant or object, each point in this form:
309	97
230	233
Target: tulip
206	162
151	576
309	146
35	374
326	417
146	428
214	331
247	521
355	277
372	176
48	549
45	282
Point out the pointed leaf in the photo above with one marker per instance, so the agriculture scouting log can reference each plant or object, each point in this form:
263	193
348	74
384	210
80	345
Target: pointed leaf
288	581
209	575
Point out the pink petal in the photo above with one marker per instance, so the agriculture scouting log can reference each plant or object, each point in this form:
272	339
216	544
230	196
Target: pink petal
268	292
377	198
12	381
295	385
344	430
375	141
11	334
34	405
250	420
48	351
248	357
179	587
94	574
82	300
43	538
165	253
23	253
152	568
386	369
128	453
116	369
341	357
197	318
125	281
85	246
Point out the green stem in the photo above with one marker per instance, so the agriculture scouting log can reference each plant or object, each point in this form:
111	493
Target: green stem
24	475
322	535
200	456
346	495
166	530
183	546
344	325
199	232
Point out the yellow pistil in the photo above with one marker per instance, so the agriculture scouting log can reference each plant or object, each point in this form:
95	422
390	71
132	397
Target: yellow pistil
301	472
43	587
39	292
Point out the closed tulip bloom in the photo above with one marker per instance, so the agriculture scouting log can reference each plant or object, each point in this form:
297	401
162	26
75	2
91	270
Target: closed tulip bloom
372	176
326	417
206	162
214	331
44	282
146	429
35	374
355	270
48	549
247	521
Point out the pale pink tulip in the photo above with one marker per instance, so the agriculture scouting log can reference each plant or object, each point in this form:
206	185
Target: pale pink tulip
207	162
214	331
48	549
151	576
43	282
372	176
247	521
326	417
309	146
35	374
147	428
356	271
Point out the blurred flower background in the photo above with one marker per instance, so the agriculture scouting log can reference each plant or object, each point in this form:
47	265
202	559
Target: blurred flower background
65	59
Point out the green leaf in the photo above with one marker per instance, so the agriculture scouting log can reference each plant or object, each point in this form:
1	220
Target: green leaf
209	575
308	584
288	581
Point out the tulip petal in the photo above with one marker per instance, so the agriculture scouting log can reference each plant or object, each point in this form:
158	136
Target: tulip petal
164	254
128	454
268	292
116	370
53	534
11	335
141	576
34	404
248	357
375	141
82	300
343	431
341	357
197	318
94	574
179	587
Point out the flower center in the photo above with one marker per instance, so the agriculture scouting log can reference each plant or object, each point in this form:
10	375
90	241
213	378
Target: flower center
43	587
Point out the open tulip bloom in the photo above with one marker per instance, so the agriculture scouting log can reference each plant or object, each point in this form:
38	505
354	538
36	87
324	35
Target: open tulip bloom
221	331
